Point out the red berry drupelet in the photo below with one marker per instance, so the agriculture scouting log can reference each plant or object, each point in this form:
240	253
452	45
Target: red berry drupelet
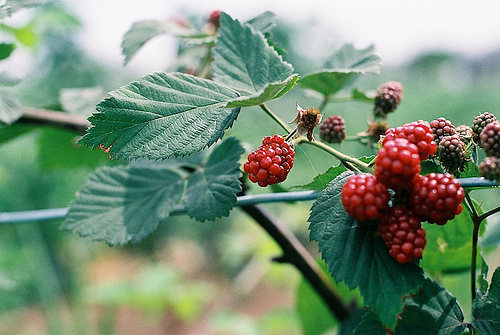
332	129
364	197
402	233
271	162
418	133
437	197
397	164
490	139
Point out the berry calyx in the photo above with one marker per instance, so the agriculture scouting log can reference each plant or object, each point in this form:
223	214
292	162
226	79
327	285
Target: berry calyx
480	122
271	162
332	129
490	168
402	233
490	139
418	133
387	98
452	153
364	197
437	197
397	164
441	128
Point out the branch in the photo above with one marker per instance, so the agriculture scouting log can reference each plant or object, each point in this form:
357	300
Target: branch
295	253
39	116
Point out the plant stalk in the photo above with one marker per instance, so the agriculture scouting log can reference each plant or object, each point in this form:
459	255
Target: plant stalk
295	253
276	118
41	116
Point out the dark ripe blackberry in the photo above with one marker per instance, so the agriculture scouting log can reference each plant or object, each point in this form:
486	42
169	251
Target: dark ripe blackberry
387	98
452	154
441	128
480	122
490	139
490	168
332	129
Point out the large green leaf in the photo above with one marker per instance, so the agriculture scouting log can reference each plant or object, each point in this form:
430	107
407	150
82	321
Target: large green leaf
358	257
486	308
10	107
341	69
369	324
244	61
432	311
161	115
211	190
124	203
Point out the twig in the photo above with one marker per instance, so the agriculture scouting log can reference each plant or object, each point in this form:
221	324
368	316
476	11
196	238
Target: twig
41	116
295	253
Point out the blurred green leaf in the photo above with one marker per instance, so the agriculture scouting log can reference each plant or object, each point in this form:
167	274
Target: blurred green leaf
7	79
244	60
486	308
124	203
341	69
80	101
350	249
10	107
24	35
6	50
263	22
211	190
359	95
8	7
161	115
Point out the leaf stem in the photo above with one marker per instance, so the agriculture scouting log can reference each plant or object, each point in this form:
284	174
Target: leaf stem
362	166
41	116
276	118
295	253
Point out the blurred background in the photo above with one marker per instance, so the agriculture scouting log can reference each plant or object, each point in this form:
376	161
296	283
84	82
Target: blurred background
213	277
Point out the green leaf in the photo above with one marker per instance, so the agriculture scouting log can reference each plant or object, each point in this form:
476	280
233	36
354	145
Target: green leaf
369	324
8	79
161	115
10	107
244	60
6	49
10	6
486	308
80	101
432	311
211	190
143	31
339	71
358	257
124	203
263	22
24	35
361	96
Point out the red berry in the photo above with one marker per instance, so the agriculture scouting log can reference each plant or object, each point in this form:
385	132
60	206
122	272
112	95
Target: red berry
364	197
388	97
418	133
214	18
441	128
402	233
490	139
271	162
397	164
480	122
437	197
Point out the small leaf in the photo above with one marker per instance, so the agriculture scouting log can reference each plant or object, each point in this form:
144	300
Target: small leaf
211	190
6	49
358	257
339	71
432	311
486	308
24	35
358	95
263	22
124	203
244	60
10	107
143	31
161	115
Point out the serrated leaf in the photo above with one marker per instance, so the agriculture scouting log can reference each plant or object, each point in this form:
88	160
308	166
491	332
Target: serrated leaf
211	190
341	69
10	107
263	22
486	308
161	115
143	31
356	256
432	311
270	92
370	324
125	203
6	50
244	60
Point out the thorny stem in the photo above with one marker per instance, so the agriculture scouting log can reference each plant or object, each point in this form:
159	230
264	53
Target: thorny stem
295	253
276	118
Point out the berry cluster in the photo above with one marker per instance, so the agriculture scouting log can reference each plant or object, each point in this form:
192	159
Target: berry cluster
387	98
480	122
451	151
271	162
398	196
332	129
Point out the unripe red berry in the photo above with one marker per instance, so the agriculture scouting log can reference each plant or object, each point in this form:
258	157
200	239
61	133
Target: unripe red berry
490	139
418	133
441	128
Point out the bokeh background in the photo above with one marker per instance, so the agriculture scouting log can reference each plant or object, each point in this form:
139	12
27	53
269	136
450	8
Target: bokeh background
213	277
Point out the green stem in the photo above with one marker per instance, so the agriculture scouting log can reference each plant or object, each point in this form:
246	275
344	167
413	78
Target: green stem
340	156
324	103
276	118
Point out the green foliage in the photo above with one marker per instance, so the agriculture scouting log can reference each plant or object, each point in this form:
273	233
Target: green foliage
351	250
10	6
10	107
486	308
211	193
244	61
161	115
341	70
6	49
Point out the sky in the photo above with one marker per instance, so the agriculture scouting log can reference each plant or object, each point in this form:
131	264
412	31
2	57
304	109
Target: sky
399	30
